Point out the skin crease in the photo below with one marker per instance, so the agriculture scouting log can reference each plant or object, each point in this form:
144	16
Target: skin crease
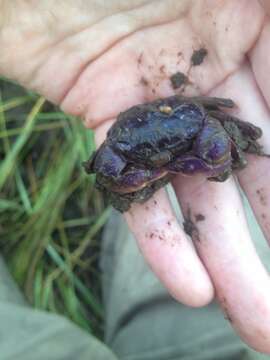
69	53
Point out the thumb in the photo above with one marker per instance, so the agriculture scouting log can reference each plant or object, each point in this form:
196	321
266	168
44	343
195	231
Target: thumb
266	5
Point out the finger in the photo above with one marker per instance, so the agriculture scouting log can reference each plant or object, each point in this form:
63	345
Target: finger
251	107
168	251
266	5
165	247
223	242
260	61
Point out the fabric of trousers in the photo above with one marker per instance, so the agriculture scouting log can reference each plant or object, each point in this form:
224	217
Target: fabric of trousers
142	321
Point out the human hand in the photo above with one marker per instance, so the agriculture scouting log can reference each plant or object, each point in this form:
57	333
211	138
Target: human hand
96	62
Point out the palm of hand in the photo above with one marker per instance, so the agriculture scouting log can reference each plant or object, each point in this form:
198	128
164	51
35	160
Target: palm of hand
134	68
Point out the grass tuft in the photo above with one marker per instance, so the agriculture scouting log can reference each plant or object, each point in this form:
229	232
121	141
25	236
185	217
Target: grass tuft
51	215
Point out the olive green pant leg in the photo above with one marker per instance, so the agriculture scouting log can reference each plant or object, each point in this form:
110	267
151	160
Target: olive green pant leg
29	334
144	323
9	291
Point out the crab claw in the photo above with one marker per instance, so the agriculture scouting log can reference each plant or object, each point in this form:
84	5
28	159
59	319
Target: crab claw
105	161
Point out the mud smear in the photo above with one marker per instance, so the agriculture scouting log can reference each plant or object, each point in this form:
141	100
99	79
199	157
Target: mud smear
144	81
262	197
198	56
178	79
190	227
199	217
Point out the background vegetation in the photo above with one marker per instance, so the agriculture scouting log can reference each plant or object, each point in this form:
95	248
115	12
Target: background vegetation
50	213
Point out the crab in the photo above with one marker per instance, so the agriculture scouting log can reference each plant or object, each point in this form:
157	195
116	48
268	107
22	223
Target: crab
150	142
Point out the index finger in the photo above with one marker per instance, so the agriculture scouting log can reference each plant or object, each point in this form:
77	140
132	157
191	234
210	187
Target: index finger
169	253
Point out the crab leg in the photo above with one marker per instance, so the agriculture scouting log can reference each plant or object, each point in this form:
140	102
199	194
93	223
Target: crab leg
136	179
210	103
245	127
243	133
190	164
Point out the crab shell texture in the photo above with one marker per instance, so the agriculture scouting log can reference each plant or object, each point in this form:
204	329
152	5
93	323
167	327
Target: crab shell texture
150	142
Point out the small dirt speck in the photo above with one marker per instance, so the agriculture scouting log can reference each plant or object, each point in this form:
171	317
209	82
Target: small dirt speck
199	217
169	223
263	216
162	69
261	195
140	58
190	228
144	81
227	316
151	235
179	54
153	91
178	79
155	202
198	56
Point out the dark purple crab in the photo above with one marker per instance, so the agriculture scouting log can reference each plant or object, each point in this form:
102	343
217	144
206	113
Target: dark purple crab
150	142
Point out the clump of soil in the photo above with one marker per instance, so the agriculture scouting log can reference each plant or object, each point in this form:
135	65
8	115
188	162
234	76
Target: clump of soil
198	56
199	217
190	227
178	79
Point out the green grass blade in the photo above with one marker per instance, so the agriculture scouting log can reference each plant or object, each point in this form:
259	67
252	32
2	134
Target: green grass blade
15	102
9	205
86	293
9	163
23	193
